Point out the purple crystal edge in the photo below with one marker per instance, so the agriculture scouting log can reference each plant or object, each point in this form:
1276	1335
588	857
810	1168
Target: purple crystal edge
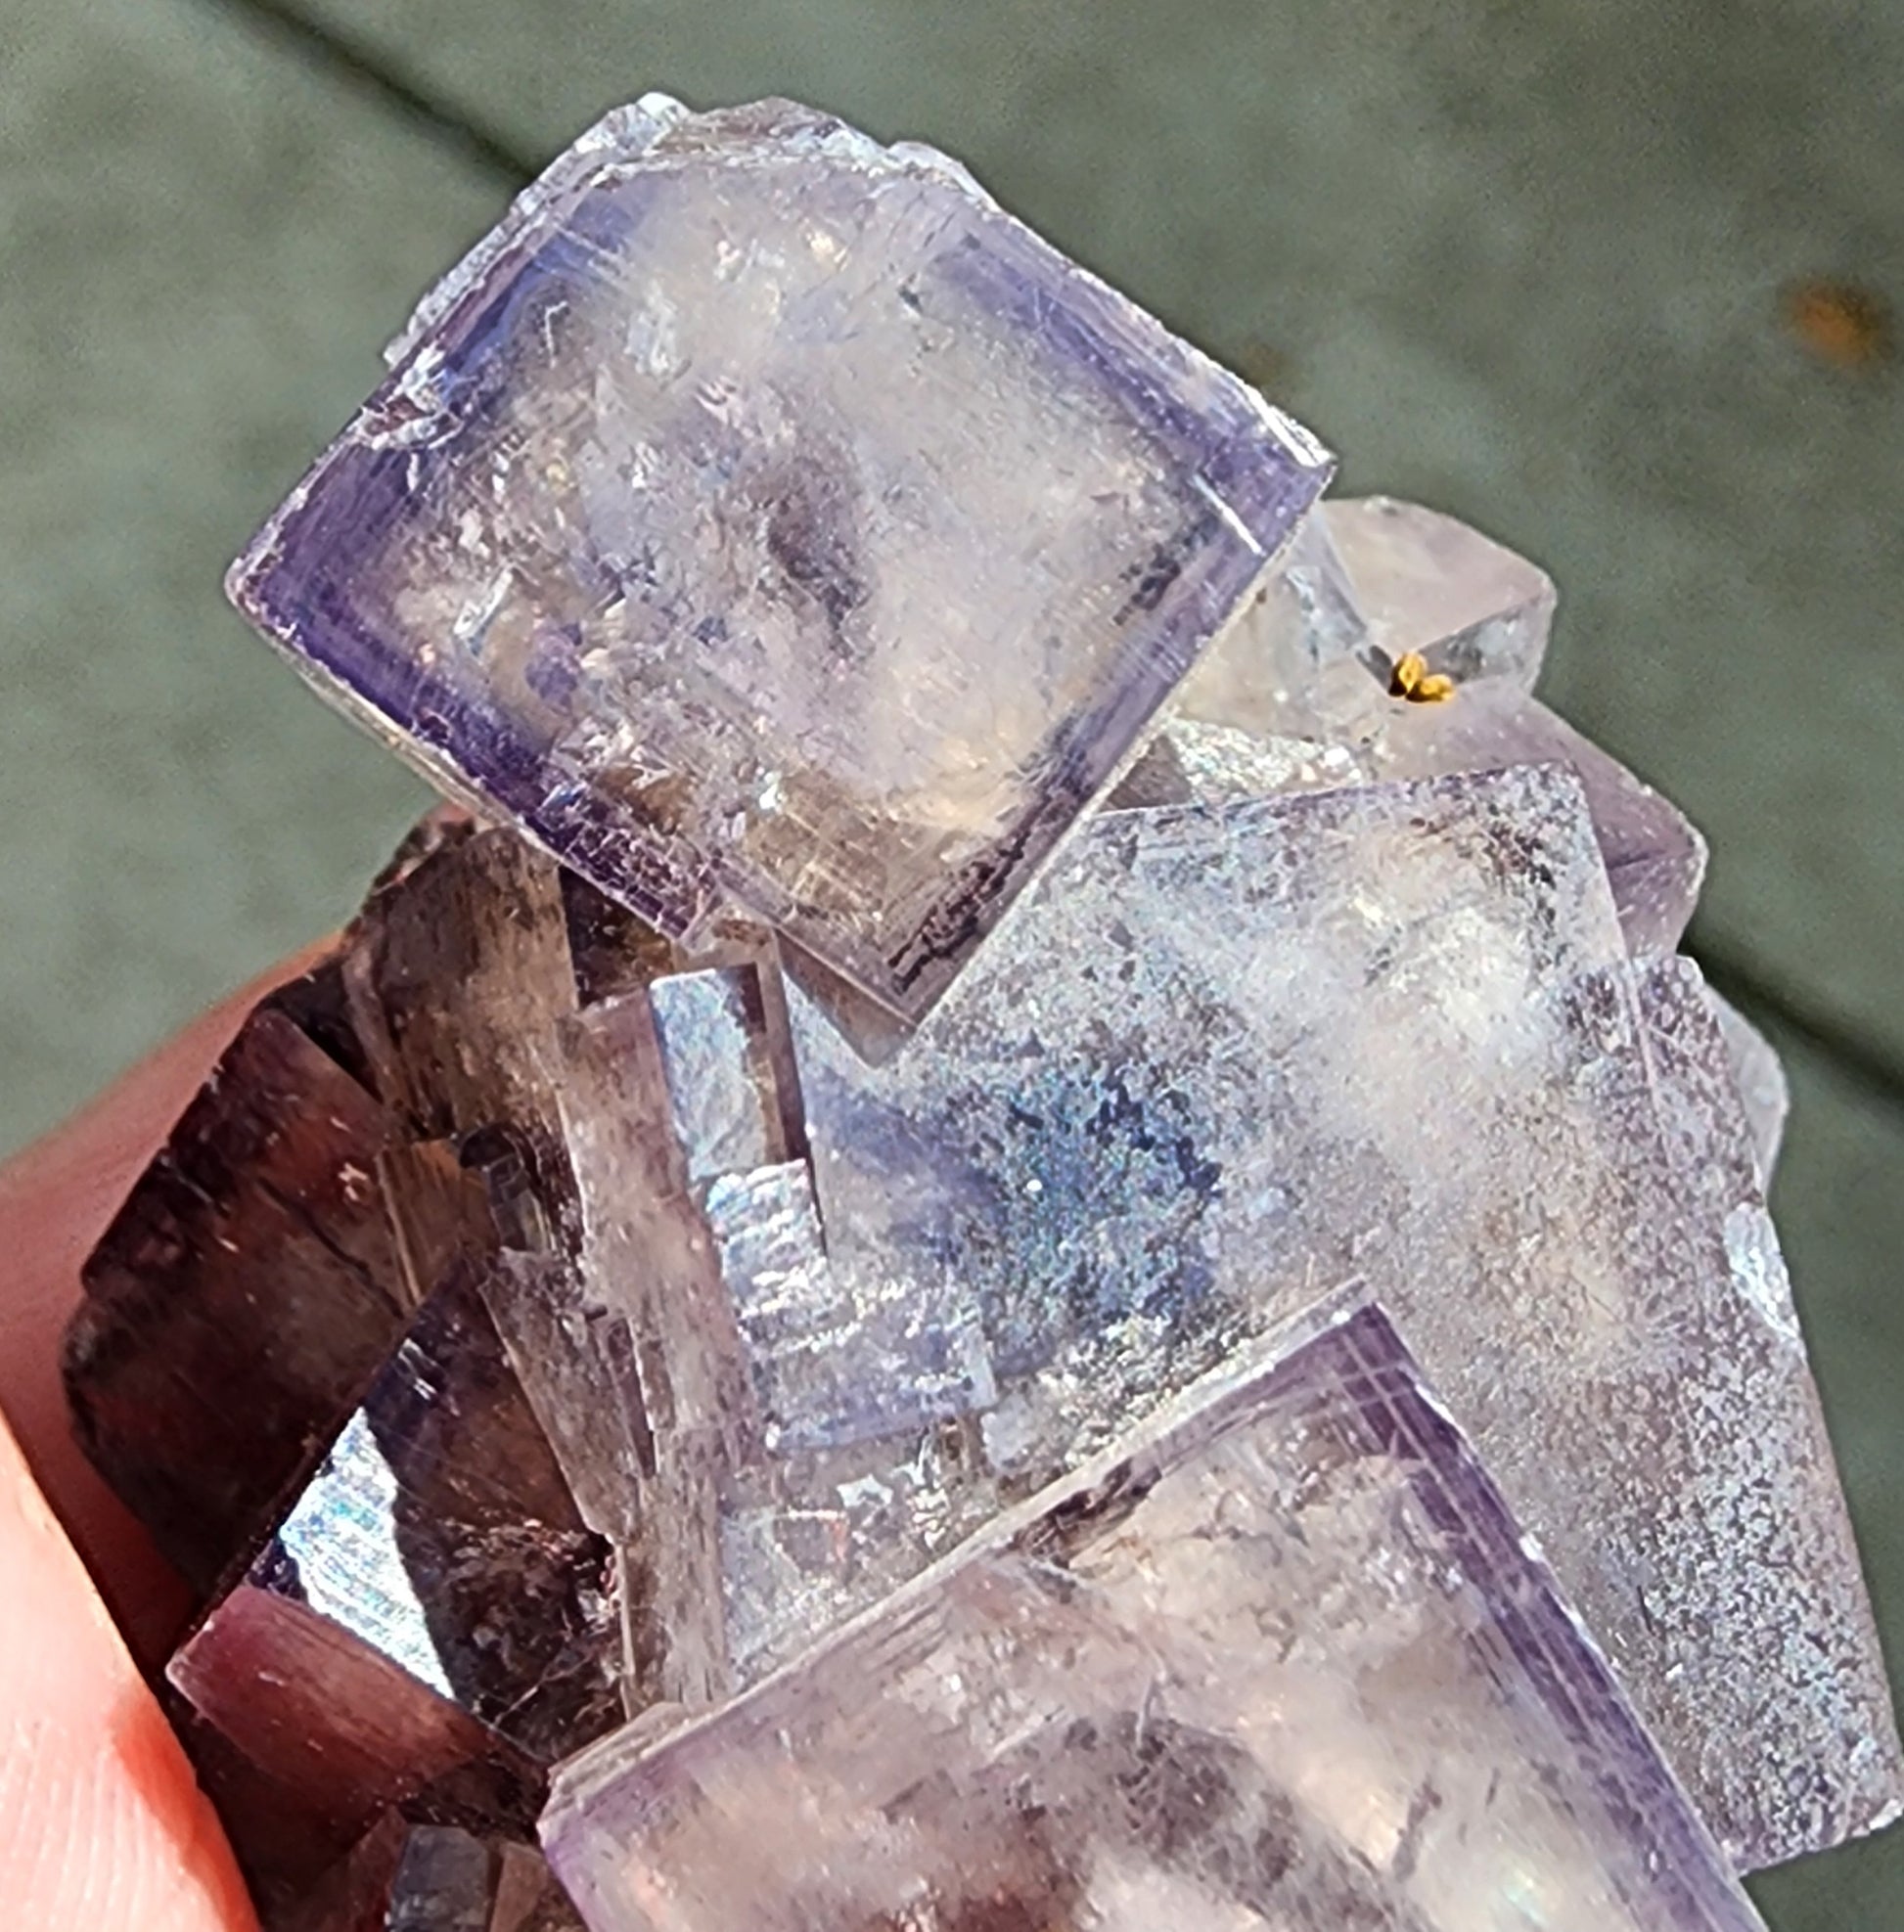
1260	471
1360	1347
621	134
1542	1633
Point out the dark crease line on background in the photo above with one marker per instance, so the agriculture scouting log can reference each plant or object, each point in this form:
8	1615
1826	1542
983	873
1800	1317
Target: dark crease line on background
1872	1069
369	73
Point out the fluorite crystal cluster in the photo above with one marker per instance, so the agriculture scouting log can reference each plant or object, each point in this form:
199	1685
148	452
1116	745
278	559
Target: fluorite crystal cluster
1023	1223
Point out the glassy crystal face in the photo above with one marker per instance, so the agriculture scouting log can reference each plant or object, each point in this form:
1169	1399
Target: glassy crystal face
767	521
1288	1662
1298	696
1371	581
792	1324
678	1219
1386	1034
320	1853
1428	582
431	1594
254	1253
409	1876
833	1408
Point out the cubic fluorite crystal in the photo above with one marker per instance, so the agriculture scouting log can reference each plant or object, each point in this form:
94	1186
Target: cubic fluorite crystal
431	1594
1386	1034
1287	1662
983	913
1296	696
269	1176
720	524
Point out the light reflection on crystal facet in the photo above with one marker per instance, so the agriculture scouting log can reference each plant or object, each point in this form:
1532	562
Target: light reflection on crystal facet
1285	1661
342	1540
808	622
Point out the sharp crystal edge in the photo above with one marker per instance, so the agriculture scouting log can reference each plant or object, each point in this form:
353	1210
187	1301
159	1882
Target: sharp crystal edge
1760	1075
410	1877
429	1598
1300	695
765	520
315	1868
984	904
807	1432
271	1174
1390	1033
1426	582
1287	1661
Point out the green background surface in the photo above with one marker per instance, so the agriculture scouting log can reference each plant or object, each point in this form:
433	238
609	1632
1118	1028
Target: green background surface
1523	261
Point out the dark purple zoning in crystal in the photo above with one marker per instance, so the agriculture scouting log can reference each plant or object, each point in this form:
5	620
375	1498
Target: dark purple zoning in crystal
318	580
252	1255
1346	1396
312	1864
411	1875
429	1600
1526	1608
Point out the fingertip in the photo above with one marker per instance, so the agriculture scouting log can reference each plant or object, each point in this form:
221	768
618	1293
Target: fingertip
102	1823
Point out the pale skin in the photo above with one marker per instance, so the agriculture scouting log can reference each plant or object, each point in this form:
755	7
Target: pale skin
102	1824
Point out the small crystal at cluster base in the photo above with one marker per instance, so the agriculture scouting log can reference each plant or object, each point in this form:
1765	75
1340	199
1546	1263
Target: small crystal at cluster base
1023	1224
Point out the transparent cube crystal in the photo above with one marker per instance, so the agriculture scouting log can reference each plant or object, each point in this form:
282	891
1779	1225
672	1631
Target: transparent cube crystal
1296	696
763	518
1390	1034
1286	1661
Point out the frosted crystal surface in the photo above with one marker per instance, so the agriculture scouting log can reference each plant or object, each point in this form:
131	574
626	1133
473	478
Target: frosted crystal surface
1389	1034
1760	1075
1654	858
1287	1662
765	518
